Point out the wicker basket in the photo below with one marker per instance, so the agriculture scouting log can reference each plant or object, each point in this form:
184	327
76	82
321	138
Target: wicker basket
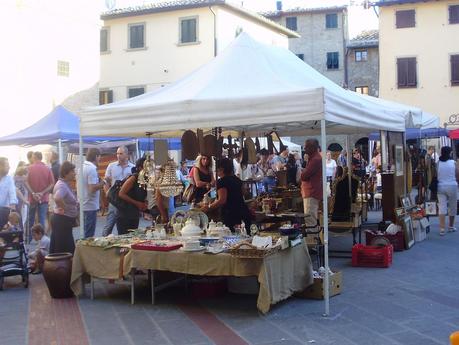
248	251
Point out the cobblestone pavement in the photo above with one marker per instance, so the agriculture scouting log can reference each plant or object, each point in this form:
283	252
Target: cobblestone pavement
414	302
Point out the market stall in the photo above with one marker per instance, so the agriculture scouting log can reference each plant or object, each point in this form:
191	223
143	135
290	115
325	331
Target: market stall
250	88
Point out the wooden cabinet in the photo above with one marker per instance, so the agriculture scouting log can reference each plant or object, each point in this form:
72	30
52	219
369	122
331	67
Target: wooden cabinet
393	189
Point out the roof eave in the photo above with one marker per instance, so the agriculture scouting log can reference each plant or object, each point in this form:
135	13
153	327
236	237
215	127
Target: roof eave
397	2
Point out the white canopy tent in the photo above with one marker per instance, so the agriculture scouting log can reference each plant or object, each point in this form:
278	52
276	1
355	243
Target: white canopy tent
249	87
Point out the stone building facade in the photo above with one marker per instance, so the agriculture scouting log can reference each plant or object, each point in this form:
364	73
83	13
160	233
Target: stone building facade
324	33
363	63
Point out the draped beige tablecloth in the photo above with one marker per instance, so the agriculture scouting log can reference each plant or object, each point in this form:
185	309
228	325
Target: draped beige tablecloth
279	275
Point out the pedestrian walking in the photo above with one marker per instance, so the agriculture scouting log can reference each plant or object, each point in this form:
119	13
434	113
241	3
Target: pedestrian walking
447	176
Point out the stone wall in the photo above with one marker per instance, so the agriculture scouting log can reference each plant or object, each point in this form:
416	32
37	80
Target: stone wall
364	73
316	41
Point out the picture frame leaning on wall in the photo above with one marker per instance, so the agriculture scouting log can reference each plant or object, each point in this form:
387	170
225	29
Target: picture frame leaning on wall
407	226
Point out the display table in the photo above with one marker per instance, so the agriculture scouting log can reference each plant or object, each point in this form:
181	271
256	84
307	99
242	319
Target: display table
279	275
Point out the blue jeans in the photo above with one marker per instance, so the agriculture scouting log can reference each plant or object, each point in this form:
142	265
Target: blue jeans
110	222
90	218
42	210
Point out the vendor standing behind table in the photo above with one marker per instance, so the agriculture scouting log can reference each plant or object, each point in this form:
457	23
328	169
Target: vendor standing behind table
265	169
331	167
203	177
229	197
65	211
116	171
311	182
135	197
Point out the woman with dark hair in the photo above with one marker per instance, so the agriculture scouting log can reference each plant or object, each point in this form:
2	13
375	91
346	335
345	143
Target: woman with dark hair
65	211
135	196
292	169
447	189
229	197
203	177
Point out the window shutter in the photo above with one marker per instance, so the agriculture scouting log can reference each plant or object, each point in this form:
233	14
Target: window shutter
411	72
402	72
454	69
331	21
291	23
101	97
103	40
137	36
110	96
405	19
454	14
188	27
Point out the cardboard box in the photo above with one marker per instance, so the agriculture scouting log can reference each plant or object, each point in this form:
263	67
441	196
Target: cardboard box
419	234
316	290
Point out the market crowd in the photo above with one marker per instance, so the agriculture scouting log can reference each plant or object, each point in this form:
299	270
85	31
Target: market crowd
41	199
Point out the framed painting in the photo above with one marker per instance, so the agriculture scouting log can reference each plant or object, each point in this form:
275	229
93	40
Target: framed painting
407	226
431	208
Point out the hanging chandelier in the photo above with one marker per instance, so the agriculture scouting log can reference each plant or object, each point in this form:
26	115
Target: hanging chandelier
168	184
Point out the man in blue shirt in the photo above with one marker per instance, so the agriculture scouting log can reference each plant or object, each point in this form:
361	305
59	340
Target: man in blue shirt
8	198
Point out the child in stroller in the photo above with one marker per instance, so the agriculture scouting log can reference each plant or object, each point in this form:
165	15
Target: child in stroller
13	258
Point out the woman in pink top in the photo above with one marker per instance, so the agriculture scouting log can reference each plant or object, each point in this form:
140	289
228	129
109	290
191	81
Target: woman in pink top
64	213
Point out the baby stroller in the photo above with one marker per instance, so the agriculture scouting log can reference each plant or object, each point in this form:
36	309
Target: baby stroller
13	256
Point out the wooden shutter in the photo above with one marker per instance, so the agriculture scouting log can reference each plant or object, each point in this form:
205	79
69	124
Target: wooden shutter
110	96
411	73
103	40
291	23
405	19
454	14
188	27
406	72
454	69
136	36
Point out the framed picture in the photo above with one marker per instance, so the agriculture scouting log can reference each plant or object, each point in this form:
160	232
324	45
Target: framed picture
407	226
431	208
399	212
399	168
405	201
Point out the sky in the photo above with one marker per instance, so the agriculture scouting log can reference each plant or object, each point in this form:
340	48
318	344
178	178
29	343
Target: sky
359	18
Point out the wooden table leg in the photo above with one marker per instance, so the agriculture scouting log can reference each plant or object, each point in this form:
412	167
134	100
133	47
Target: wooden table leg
133	286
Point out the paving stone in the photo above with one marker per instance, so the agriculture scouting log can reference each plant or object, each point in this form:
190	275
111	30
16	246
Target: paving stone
412	338
432	328
163	312
181	332
259	331
141	329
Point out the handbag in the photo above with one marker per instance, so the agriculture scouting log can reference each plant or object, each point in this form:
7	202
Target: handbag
113	195
189	192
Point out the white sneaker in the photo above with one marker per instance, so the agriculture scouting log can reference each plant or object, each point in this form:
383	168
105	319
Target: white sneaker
442	232
452	229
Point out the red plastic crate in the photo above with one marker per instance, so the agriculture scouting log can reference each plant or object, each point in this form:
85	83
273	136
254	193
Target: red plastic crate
370	256
397	240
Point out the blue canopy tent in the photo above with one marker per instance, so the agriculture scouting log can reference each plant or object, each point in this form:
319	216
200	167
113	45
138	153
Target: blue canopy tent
146	144
60	124
417	133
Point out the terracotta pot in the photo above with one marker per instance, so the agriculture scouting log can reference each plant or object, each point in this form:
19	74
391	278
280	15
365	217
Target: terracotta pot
57	271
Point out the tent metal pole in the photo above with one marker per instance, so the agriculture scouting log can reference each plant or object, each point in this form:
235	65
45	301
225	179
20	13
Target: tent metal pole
349	166
137	148
60	152
80	186
323	144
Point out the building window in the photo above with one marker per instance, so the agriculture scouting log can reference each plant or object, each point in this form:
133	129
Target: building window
291	23
406	72
332	60
105	96
362	89
63	68
300	56
135	91
453	14
405	19
455	70
104	40
331	21
136	36
188	30
361	55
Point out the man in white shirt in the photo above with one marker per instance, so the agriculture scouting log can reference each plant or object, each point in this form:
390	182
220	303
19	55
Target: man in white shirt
8	198
116	171
92	185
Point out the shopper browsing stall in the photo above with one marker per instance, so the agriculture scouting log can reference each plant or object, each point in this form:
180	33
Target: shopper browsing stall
229	197
331	167
203	177
311	182
65	211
